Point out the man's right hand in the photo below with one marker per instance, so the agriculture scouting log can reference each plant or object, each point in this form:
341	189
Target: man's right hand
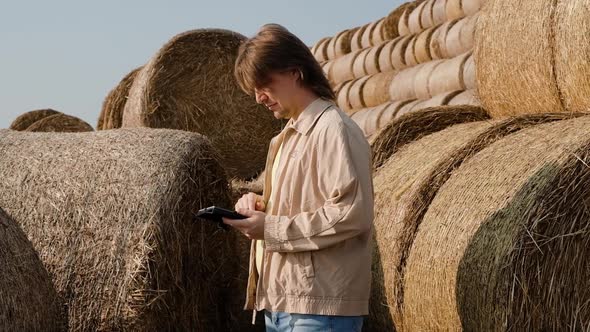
251	201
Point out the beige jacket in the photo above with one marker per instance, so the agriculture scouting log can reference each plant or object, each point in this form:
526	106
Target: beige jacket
318	233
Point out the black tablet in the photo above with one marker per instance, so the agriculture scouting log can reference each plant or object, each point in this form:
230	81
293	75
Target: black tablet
214	213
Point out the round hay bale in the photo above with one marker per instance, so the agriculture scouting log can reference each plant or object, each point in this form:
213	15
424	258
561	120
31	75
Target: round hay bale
410	127
454	9
342	96
398	56
23	121
114	103
515	72
438	100
467	34
241	187
367	36
321	51
339	45
355	40
422	86
511	260
438	42
189	85
378	37
408	108
358	65
460	37
471	7
402	84
403	27
376	89
341	69
60	123
404	188
372	59
468	97
426	17
391	22
410	55
112	219
355	94
448	75
368	118
439	12
469	73
571	50
28	300
422	45
415	19
385	63
315	50
390	112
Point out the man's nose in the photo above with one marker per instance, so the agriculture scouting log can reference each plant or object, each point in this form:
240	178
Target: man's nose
260	97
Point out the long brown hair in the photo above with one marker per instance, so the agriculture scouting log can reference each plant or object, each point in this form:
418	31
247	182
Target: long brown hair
275	49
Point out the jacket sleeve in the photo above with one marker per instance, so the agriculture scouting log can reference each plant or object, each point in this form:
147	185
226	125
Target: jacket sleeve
346	211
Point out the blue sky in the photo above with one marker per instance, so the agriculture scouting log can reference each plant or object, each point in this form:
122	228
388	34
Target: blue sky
67	55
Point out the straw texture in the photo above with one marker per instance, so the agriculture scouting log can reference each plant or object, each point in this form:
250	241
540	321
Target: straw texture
410	127
61	123
111	214
511	260
408	182
514	58
114	103
189	85
28	300
23	121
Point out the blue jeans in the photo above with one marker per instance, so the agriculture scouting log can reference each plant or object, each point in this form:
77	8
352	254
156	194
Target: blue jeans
286	322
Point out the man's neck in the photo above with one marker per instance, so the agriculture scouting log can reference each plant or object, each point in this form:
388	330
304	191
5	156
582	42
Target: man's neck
305	99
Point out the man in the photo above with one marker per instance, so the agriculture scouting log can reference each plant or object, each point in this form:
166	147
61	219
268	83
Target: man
310	259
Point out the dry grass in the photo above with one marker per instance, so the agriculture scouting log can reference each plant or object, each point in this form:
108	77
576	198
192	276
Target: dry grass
515	257
28	300
111	114
23	121
413	126
514	58
189	85
111	214
61	123
405	187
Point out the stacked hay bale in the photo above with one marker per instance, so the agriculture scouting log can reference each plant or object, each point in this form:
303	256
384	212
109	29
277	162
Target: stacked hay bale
541	68
427	62
504	243
111	114
49	120
111	214
28	300
23	121
405	185
189	85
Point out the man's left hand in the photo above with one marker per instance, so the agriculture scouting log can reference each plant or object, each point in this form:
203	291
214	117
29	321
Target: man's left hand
252	227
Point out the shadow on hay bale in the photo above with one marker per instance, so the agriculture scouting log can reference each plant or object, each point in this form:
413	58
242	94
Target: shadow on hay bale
404	188
28	300
504	244
23	121
111	214
189	85
415	125
60	123
111	114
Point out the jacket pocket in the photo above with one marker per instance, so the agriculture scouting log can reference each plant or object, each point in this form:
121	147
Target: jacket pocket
308	268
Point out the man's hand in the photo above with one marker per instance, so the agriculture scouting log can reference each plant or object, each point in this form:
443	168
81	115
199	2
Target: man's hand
251	201
252	227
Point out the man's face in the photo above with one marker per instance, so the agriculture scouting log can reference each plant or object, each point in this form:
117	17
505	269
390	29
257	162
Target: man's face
278	95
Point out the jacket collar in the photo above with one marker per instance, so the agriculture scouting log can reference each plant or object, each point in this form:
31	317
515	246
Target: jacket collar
309	116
